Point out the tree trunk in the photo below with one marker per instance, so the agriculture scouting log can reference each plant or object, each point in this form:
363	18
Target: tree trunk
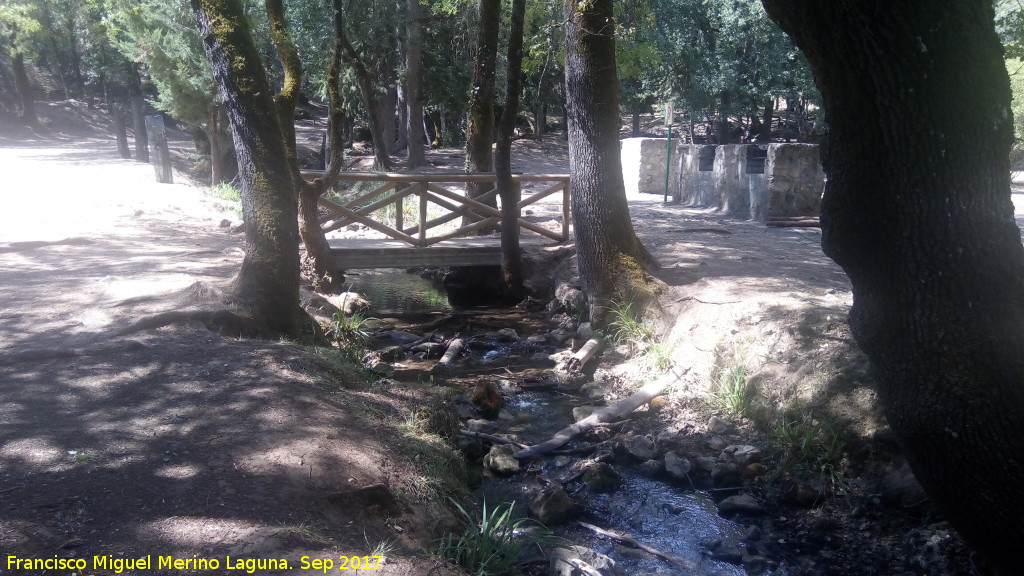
382	161
291	86
328	276
612	261
511	254
267	285
121	131
216	155
917	211
413	81
403	120
138	114
480	136
24	87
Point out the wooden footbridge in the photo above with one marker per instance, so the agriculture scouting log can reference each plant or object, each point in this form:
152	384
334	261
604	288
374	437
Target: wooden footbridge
422	221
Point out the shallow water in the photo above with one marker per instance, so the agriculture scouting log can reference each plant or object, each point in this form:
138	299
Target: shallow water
396	292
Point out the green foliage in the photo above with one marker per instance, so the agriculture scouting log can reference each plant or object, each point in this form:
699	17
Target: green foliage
163	35
349	329
226	191
811	444
628	326
731	391
726	57
496	544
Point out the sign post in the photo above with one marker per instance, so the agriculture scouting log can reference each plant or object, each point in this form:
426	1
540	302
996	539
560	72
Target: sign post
668	148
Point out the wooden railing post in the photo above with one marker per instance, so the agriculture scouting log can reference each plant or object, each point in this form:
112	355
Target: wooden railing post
399	217
423	212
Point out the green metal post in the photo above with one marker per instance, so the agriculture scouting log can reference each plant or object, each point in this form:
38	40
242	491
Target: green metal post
668	149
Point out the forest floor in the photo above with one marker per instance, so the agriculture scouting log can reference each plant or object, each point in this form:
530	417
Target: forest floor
178	442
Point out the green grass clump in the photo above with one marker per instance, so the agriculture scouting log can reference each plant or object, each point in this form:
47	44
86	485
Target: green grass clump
631	328
811	445
496	544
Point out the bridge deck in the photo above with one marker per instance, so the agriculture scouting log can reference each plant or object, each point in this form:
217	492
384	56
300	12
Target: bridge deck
359	253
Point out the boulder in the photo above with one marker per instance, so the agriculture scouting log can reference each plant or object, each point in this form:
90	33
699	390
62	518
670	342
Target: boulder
601	477
719	426
677	466
553	507
740	504
650	468
500	461
641	447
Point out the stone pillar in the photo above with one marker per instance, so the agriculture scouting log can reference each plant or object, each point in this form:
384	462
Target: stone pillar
730	181
796	180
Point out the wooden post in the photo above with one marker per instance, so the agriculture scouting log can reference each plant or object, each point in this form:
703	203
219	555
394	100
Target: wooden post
423	213
162	156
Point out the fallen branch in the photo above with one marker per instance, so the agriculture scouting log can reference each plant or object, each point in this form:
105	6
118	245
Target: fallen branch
794	222
583	355
490	438
602	416
454	347
630	541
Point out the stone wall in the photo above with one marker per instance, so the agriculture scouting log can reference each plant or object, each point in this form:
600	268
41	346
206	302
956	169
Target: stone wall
643	165
756	181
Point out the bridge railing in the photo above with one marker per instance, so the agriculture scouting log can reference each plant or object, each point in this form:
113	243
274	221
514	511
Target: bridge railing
425	189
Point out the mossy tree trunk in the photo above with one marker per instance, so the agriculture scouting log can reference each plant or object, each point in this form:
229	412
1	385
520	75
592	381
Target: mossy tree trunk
511	253
326	276
917	211
267	285
480	136
613	263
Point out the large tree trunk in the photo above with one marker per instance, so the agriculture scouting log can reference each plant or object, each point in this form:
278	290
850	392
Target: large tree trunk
917	211
511	254
267	285
364	80
413	82
612	261
138	105
24	87
318	250
216	154
480	136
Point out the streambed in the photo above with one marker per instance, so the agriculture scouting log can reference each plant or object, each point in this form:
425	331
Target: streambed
660	512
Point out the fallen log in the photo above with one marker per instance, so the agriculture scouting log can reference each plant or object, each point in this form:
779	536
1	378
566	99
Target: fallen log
490	438
794	222
603	416
583	355
454	347
634	543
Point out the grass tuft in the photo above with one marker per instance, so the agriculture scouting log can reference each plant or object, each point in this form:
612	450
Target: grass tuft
497	543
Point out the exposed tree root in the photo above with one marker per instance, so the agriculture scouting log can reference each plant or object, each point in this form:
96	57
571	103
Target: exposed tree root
40	354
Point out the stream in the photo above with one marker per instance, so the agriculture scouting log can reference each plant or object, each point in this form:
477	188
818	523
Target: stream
661	513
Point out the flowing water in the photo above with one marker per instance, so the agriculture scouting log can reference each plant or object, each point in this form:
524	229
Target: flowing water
670	518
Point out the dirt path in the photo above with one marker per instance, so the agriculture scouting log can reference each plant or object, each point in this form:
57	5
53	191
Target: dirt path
83	230
173	442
